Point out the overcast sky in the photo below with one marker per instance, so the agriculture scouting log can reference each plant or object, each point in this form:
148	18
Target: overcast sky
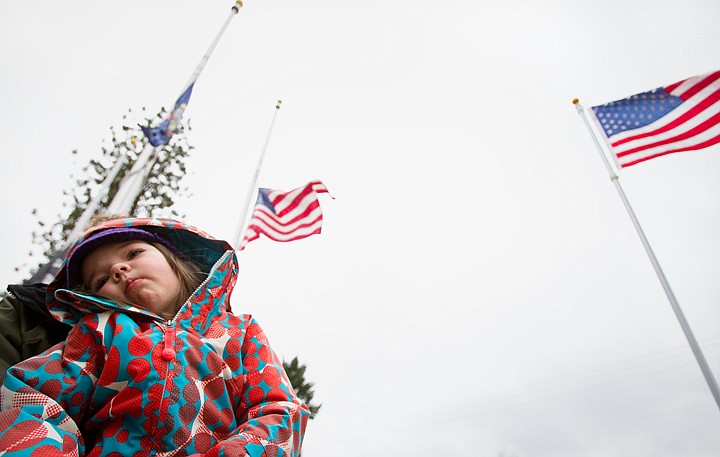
478	289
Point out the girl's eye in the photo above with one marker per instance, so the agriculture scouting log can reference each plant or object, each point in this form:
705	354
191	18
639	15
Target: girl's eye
100	283
134	253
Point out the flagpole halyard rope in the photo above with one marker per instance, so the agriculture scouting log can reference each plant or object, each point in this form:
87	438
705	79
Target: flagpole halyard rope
239	232
697	352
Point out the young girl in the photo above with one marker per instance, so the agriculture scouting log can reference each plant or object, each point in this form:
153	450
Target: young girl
155	364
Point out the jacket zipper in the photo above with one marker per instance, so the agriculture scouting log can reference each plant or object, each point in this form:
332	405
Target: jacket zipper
168	353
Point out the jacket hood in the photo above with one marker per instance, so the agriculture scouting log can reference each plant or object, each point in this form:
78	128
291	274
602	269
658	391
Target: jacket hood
216	258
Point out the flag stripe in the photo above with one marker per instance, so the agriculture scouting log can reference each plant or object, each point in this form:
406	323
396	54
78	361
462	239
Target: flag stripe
697	84
281	226
254	235
705	144
260	226
292	202
297	211
672	87
316	186
694	143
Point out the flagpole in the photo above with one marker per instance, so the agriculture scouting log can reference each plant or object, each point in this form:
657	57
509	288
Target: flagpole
133	183
239	232
196	74
704	367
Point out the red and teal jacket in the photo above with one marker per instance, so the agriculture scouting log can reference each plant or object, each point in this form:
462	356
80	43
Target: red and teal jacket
127	383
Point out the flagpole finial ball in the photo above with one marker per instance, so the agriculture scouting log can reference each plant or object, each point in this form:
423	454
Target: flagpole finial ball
576	101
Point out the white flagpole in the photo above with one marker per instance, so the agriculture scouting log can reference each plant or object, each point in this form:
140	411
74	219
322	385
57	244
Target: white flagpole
134	181
704	367
240	231
196	74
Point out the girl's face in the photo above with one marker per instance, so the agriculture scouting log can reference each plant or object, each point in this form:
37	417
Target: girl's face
133	272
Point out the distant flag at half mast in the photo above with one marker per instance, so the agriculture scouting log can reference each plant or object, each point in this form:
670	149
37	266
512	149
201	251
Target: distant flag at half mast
680	117
160	135
286	216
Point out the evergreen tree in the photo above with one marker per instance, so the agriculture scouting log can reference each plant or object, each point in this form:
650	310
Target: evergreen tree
303	388
156	199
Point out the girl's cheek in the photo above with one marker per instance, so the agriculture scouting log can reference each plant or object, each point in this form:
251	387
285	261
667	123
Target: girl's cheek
105	291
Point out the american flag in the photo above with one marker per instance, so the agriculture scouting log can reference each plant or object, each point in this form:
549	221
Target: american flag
286	216
680	117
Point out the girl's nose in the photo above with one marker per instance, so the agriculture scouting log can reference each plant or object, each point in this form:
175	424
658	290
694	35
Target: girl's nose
119	268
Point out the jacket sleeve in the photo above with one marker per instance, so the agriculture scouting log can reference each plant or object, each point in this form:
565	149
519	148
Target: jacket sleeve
271	418
44	398
24	332
10	334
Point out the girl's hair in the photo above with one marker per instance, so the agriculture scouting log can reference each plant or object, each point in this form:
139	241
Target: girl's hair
186	270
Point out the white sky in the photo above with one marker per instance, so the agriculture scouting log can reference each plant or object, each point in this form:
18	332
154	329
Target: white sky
478	289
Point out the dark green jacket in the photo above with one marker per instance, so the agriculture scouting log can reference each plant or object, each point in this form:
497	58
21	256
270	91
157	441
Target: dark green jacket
26	326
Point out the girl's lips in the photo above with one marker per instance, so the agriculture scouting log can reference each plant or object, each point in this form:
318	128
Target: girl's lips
132	283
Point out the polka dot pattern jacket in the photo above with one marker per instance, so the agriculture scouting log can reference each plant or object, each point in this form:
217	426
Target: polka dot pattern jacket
127	383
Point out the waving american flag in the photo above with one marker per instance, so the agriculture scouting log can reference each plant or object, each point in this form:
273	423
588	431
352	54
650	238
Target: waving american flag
286	216
680	117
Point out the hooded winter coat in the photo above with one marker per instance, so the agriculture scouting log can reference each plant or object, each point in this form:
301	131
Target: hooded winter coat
126	382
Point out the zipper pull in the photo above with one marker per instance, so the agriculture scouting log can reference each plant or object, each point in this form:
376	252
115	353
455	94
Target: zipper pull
168	353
